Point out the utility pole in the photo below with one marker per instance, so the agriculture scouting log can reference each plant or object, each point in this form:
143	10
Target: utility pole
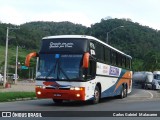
6	56
16	65
5	64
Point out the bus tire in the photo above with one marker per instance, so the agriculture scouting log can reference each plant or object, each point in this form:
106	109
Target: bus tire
97	95
57	101
123	92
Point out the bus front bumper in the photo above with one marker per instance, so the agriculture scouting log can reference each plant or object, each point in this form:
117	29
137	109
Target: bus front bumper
61	94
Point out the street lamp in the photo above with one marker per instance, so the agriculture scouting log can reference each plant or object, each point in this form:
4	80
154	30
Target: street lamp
6	54
112	31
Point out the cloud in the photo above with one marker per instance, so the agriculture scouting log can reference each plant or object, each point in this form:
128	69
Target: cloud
74	17
14	16
81	12
10	15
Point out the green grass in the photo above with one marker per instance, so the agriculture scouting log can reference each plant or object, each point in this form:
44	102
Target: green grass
22	52
13	96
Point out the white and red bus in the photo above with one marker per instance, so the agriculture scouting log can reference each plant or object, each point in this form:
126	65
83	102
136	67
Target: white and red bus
78	67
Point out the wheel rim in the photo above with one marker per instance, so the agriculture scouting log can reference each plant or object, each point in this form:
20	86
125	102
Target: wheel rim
125	92
122	94
96	95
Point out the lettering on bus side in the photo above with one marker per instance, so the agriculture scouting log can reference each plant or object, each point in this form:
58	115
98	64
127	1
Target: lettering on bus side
60	45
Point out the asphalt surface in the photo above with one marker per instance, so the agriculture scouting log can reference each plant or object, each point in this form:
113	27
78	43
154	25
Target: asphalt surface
138	100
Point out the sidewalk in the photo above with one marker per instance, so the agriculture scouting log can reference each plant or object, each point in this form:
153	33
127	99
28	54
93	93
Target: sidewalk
21	86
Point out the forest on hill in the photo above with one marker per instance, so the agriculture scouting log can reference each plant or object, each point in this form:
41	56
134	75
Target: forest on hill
141	42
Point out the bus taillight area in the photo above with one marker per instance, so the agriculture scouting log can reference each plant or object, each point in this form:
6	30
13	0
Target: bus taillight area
75	93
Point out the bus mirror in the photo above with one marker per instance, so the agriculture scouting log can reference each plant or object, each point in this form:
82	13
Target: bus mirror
28	58
86	60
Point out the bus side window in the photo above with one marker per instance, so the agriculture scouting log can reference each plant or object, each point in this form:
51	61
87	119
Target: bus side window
92	68
100	52
90	72
118	59
128	63
107	55
113	57
123	62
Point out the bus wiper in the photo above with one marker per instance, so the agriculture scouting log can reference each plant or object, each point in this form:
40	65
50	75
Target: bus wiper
57	64
60	69
53	69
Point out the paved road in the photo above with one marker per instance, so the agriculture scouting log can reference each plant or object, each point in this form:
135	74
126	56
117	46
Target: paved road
139	100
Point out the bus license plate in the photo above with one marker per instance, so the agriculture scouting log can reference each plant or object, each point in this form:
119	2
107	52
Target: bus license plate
57	95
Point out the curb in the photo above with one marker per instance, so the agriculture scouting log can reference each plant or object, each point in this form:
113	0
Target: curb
21	99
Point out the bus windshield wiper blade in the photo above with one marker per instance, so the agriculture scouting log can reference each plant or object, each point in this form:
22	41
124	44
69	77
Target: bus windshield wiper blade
53	69
60	69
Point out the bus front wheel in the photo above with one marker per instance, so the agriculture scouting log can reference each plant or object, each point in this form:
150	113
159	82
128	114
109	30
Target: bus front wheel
96	98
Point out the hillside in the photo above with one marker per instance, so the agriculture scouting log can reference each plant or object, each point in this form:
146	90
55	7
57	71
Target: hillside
22	52
141	42
134	39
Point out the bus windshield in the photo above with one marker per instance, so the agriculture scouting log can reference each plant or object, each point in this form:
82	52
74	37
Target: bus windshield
59	67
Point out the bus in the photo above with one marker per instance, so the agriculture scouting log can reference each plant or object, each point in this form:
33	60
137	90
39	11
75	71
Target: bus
79	67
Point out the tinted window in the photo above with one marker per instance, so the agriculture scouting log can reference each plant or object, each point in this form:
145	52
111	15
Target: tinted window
128	63
60	66
119	59
107	55
97	50
113	57
123	61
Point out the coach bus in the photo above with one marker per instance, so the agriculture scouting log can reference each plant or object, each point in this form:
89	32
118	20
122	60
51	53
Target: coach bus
78	67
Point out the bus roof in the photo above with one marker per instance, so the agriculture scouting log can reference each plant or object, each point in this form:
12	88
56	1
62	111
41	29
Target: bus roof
86	37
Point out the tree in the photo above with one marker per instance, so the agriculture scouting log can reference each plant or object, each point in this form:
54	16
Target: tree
152	61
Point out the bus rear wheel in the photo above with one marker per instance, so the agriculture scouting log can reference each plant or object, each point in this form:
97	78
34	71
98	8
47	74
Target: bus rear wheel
96	98
57	101
123	93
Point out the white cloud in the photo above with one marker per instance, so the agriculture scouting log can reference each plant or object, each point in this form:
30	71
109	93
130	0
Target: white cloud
74	17
14	16
10	15
85	12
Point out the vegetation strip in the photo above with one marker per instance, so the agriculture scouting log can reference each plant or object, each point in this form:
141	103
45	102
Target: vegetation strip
14	96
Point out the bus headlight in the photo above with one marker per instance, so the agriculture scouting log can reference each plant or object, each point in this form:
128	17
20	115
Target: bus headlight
41	86
72	88
76	88
78	95
39	93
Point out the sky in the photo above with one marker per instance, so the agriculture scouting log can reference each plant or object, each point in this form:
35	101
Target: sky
85	12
